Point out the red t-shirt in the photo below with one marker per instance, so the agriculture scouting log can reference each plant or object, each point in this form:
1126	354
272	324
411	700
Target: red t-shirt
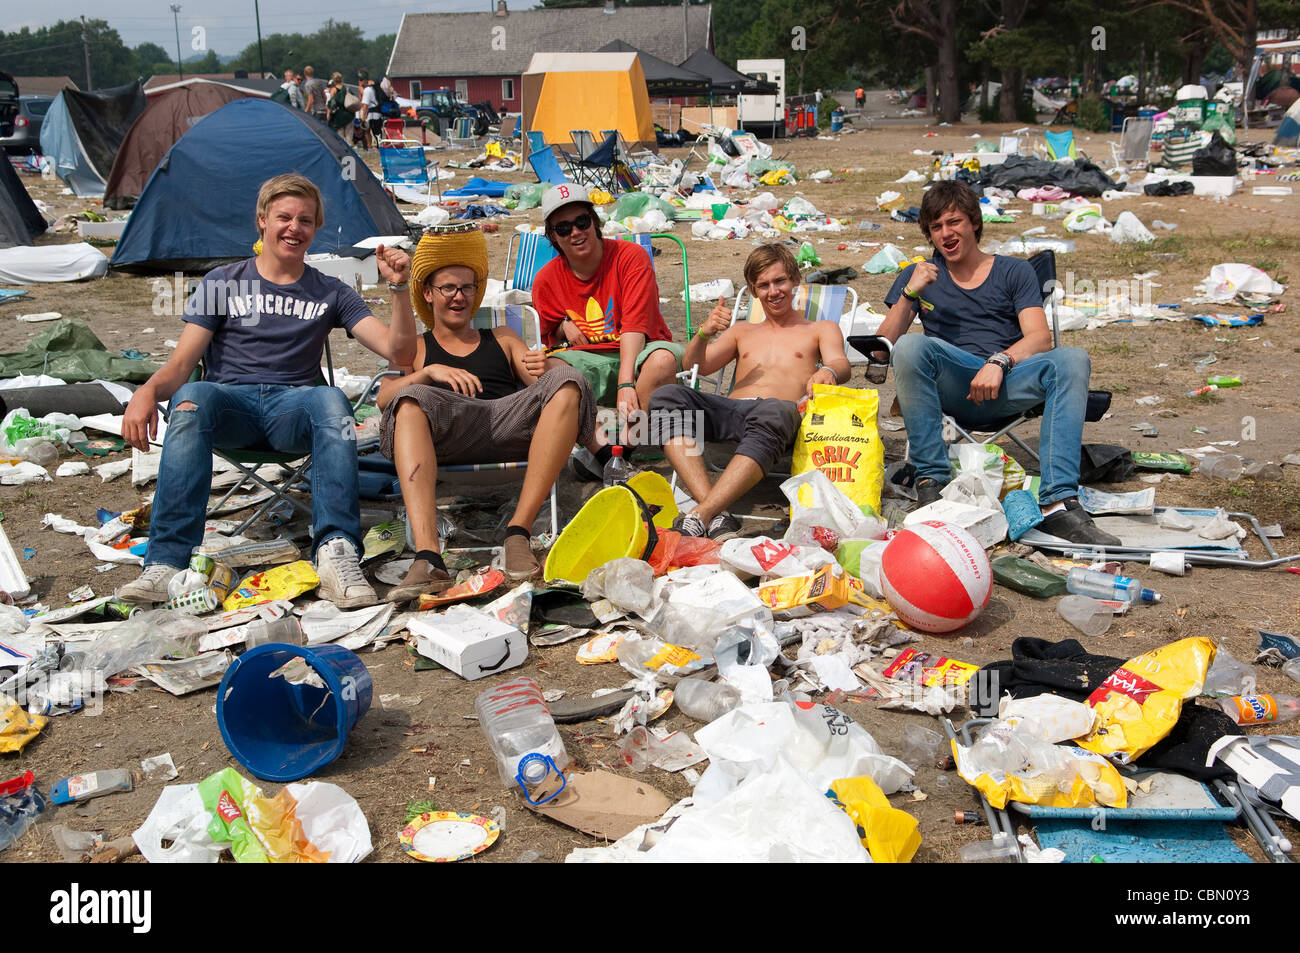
621	296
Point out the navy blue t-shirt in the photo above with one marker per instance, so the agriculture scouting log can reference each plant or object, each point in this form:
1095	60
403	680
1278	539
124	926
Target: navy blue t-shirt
266	333
981	320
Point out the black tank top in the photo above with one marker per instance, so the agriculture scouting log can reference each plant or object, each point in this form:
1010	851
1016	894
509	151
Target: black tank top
487	362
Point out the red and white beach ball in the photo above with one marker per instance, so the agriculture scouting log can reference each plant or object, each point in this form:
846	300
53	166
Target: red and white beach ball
936	576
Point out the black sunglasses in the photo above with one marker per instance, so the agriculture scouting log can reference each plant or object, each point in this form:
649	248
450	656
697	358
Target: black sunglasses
581	223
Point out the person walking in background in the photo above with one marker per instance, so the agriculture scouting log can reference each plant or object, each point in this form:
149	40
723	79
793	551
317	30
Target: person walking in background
292	89
339	116
314	95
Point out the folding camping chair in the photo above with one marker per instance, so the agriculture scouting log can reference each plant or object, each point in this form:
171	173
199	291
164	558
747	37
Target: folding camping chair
584	143
508	131
597	168
394	129
634	159
1134	142
530	251
405	167
645	240
462	134
521	319
546	166
1044	264
248	461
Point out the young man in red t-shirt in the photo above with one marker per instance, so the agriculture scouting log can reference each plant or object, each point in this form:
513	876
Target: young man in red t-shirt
599	302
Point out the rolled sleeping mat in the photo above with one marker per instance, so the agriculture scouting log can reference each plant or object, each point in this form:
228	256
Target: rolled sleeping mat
80	400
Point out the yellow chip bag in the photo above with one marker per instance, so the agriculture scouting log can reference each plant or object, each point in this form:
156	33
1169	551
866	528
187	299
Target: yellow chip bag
839	437
1071	778
282	582
16	726
1140	702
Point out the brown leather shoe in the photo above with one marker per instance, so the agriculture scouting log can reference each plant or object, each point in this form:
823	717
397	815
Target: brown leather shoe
421	578
519	564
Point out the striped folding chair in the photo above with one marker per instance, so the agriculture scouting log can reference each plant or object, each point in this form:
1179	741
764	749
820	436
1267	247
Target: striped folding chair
530	252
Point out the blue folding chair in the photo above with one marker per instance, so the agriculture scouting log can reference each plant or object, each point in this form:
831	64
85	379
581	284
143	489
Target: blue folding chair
405	167
530	252
546	167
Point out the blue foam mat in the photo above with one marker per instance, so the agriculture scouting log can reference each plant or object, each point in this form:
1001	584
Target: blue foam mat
1131	842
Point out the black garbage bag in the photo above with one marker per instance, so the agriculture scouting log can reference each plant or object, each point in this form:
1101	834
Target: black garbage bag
1026	172
1169	188
1217	158
831	276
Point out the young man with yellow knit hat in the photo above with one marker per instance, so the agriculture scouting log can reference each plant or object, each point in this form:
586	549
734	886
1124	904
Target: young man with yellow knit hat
471	396
260	325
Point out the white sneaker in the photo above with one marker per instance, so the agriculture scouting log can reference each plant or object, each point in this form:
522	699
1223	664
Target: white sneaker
151	586
341	579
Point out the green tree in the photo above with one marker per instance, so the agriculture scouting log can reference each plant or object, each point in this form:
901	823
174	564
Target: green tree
57	50
336	46
210	62
147	56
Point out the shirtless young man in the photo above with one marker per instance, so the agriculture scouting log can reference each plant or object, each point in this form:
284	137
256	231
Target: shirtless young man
778	361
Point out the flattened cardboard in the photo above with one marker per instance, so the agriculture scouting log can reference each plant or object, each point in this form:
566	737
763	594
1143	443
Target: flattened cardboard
605	805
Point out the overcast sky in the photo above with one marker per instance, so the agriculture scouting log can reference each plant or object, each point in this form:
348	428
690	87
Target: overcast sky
229	24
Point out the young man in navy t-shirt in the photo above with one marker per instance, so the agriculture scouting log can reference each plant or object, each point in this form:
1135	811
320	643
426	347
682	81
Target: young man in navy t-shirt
260	325
986	354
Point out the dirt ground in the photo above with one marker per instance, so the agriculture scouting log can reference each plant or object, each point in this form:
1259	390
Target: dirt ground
435	751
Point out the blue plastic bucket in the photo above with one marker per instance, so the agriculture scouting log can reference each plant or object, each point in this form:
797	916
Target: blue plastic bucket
283	732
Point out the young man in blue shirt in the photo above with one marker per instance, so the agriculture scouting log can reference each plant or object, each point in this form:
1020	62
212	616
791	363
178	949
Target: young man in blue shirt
986	354
261	325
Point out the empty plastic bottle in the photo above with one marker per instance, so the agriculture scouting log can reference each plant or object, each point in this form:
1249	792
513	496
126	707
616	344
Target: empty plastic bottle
1090	616
523	736
1260	709
1291	669
616	469
1102	585
703	700
21	804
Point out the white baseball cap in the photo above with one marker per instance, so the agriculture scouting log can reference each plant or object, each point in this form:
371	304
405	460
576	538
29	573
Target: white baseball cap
559	196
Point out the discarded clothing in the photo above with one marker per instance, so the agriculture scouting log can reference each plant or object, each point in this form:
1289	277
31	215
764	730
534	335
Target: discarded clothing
1064	668
482	211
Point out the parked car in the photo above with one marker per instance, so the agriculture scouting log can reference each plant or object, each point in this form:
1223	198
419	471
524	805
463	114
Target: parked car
22	132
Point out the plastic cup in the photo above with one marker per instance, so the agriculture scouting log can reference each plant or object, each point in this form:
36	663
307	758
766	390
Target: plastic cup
919	745
720	211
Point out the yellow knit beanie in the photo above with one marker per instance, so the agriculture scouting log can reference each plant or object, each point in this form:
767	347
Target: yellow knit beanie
443	247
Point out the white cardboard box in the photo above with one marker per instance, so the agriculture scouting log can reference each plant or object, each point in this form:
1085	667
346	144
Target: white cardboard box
346	269
468	642
989	527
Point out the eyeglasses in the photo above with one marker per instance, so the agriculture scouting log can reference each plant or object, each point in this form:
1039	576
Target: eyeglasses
450	291
581	223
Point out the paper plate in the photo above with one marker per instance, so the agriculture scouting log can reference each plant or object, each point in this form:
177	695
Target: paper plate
441	836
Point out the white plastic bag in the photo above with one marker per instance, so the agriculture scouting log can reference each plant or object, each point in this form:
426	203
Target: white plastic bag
818	505
1128	229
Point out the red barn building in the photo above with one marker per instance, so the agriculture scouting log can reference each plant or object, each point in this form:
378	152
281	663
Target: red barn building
482	56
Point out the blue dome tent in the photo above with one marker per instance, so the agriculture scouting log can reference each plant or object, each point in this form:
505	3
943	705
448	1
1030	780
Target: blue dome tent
197	209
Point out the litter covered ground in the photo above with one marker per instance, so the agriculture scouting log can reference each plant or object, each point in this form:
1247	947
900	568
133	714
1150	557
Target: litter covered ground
1165	314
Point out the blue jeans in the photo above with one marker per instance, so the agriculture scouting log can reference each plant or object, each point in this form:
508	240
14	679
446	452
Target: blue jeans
253	417
933	379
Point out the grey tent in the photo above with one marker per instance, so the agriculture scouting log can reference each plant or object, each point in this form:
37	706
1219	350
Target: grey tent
20	220
663	79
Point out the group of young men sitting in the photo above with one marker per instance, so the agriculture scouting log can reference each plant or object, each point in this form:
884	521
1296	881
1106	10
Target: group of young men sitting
466	394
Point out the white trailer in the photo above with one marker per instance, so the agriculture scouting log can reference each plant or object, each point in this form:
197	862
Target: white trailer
763	115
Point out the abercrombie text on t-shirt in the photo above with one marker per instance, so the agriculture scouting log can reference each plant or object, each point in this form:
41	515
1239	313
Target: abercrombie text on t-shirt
267	333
